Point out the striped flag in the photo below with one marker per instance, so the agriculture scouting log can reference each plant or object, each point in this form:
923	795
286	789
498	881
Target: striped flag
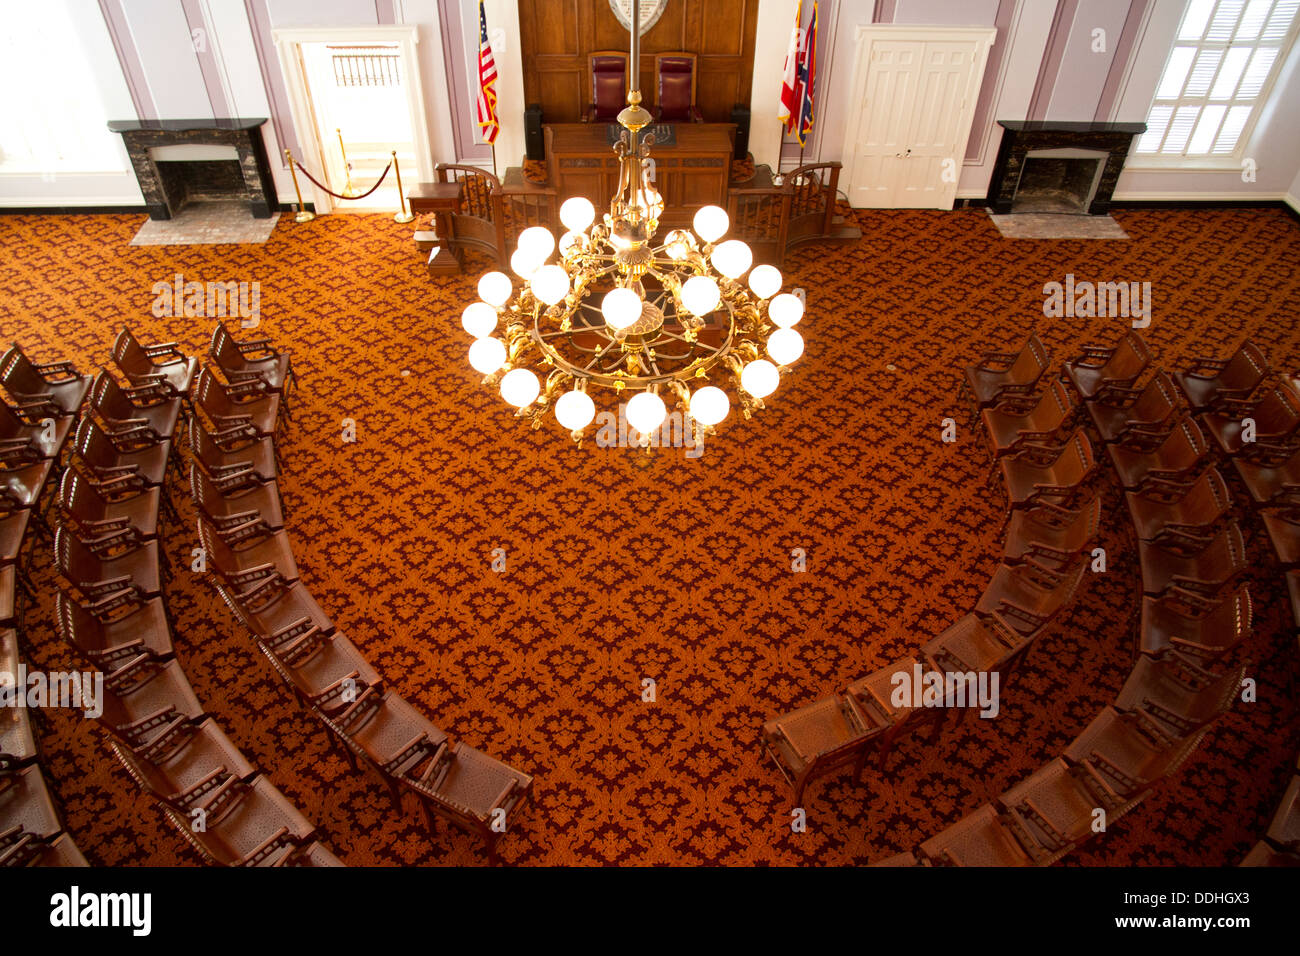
789	107
807	77
487	82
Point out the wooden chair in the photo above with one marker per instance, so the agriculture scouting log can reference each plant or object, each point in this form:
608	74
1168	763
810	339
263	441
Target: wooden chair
244	409
1167	507
873	701
1283	528
1001	375
254	456
1027	596
142	699
1055	806
1276	414
145	365
1179	694
255	360
325	670
19	437
1130	750
186	759
1271	484
106	523
1038	473
109	642
1015	422
974	643
1136	417
1050	535
246	824
981	838
54	390
96	576
817	740
134	416
1178	456
1207	382
1196	627
1100	370
104	460
235	507
17	739
675	82
1204	565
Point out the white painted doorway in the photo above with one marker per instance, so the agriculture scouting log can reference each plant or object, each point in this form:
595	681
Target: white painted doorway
915	90
364	81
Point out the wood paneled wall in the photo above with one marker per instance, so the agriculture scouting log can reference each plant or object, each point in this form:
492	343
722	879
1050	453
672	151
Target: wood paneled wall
556	37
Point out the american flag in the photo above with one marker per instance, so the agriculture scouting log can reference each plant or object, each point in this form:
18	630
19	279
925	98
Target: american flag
807	78
487	81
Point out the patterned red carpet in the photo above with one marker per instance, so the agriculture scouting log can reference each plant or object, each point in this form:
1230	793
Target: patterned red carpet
624	565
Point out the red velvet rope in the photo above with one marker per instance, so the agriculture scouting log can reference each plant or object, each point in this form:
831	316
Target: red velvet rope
336	195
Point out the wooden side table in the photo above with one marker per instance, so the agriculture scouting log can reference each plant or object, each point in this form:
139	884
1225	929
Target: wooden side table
440	200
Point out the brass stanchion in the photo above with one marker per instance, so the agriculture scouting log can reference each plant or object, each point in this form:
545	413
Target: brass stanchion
348	189
303	214
402	216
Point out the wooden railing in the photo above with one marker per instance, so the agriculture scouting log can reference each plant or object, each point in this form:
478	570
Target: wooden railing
772	219
492	214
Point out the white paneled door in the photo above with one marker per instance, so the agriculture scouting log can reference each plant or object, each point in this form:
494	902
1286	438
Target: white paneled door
914	90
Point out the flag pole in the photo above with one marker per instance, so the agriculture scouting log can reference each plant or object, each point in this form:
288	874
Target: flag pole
494	159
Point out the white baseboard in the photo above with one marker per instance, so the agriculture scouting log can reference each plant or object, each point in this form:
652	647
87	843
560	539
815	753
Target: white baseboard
1291	201
1236	196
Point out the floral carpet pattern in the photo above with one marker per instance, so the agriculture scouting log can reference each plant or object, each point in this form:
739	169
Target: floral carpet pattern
623	565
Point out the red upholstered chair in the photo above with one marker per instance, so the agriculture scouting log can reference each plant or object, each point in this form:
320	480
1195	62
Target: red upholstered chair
1099	368
1196	627
675	78
1209	381
608	86
1177	457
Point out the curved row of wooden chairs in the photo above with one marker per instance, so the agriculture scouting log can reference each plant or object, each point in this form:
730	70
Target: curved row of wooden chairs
1052	520
112	612
1189	623
34	430
241	526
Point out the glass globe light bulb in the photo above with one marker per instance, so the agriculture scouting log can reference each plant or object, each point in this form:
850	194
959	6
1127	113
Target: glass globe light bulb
538	241
765	281
577	213
646	412
494	288
785	346
573	240
679	244
479	319
520	387
759	378
785	310
732	258
487	355
621	308
550	284
711	223
710	405
524	264
575	410
700	295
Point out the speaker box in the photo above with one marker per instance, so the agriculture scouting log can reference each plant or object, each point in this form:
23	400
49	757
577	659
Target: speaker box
534	142
740	116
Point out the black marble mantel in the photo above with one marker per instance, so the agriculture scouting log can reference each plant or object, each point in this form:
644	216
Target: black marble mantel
242	133
1021	136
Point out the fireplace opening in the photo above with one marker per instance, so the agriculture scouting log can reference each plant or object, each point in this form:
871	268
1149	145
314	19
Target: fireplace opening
210	180
1058	181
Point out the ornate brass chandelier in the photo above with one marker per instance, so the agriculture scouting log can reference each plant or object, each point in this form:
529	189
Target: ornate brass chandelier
673	321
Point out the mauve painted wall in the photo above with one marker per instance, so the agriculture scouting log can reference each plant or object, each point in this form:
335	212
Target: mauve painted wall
1081	73
948	13
161	37
321	13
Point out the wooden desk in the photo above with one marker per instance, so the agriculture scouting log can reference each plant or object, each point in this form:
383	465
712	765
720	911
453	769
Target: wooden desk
692	174
440	199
